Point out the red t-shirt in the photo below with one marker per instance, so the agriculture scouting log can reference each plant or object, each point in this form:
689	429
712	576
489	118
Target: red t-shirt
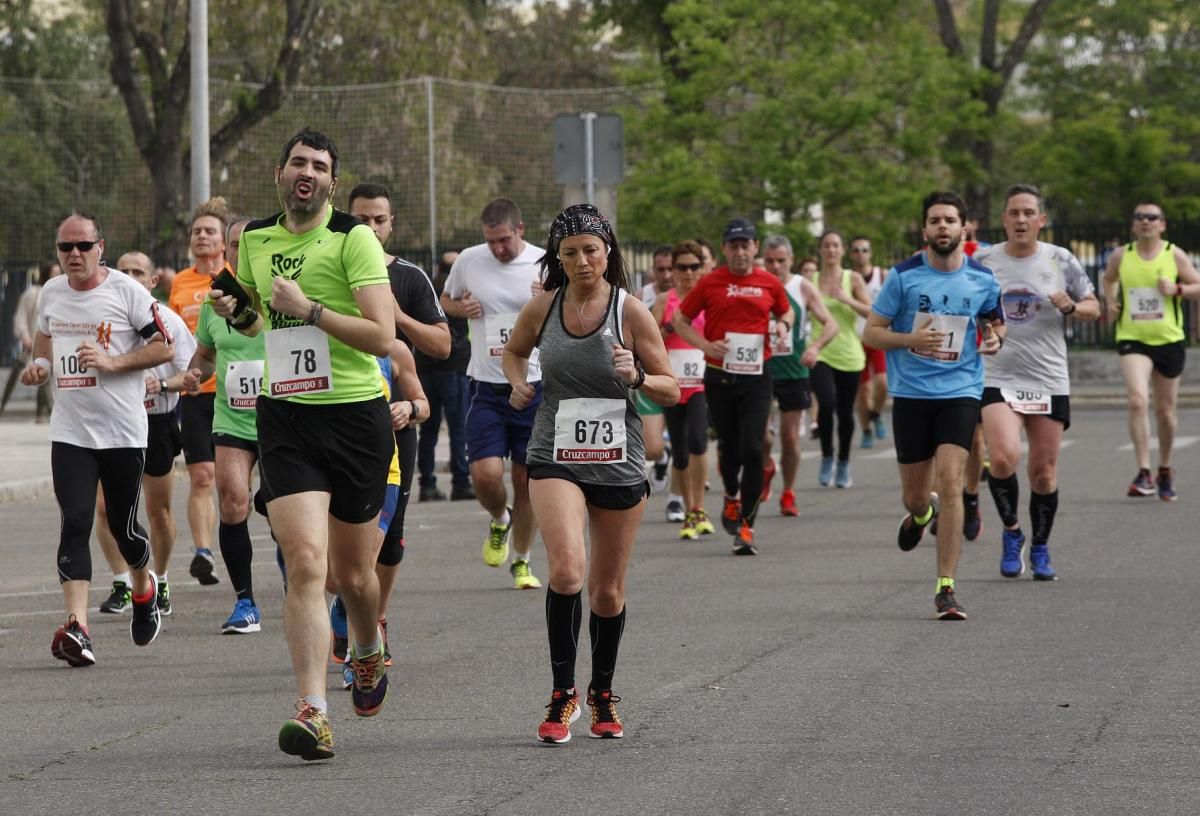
736	303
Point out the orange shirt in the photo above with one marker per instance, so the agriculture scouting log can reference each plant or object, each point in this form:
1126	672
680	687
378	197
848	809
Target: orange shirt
188	292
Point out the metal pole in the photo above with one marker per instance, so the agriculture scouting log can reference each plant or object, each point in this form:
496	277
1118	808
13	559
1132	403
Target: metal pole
589	156
433	256
199	89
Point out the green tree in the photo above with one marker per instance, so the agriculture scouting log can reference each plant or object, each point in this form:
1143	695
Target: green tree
152	39
783	105
991	68
1116	109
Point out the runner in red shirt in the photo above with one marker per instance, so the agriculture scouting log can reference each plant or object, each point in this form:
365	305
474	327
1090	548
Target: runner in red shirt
737	300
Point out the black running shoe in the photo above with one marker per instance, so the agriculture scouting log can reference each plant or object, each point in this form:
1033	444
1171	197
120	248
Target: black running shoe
147	622
202	566
72	644
948	607
118	601
164	598
910	533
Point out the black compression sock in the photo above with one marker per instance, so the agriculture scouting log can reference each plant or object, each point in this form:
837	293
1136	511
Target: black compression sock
238	552
564	615
606	639
1006	492
1042	508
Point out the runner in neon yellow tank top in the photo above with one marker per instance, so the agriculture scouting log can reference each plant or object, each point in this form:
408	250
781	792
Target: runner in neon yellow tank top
324	428
1153	277
835	376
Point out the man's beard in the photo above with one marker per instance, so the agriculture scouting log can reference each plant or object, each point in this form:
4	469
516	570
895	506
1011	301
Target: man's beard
316	202
949	250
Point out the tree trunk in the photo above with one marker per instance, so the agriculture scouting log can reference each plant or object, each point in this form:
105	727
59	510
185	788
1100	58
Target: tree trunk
168	225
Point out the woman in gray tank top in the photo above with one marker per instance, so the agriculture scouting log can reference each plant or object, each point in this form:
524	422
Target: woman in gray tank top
585	456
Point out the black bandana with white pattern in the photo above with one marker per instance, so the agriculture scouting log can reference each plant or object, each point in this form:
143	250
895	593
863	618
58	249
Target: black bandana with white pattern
579	219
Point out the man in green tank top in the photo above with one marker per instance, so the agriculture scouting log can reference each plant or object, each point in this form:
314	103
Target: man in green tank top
1153	277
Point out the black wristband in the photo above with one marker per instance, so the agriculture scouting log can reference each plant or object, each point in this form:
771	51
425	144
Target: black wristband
243	321
414	415
1070	311
162	386
641	378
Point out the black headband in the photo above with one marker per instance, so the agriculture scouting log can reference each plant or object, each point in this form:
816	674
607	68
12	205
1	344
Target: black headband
579	219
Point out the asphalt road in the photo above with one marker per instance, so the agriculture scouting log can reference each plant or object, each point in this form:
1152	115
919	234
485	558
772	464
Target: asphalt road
811	679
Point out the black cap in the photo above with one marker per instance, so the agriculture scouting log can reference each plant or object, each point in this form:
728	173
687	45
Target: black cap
739	228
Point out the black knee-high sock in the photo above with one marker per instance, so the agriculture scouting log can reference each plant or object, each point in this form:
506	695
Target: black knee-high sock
564	615
606	639
1006	492
237	552
1042	507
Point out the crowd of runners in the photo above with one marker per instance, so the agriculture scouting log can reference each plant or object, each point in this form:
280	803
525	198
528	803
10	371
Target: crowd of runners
297	348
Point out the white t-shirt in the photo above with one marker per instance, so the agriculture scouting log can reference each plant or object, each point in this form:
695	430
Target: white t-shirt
649	295
502	289
185	347
1034	356
91	409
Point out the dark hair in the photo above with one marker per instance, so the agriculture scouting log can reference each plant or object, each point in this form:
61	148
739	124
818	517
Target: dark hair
800	264
86	216
1024	189
234	220
829	232
317	141
42	274
501	211
686	248
568	223
944	197
1151	204
704	243
368	189
860	237
664	249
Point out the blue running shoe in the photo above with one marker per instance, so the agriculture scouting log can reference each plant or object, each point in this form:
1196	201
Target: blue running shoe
1012	562
347	675
243	620
880	428
844	479
1166	484
1039	560
868	439
339	629
826	474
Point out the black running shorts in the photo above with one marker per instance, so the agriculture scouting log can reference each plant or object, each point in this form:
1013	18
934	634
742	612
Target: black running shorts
196	421
605	497
343	449
163	444
919	426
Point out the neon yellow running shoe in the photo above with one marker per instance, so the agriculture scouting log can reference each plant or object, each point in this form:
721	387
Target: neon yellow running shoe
495	545
688	528
703	525
522	573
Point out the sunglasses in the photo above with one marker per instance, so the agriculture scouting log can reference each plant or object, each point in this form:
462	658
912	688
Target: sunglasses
1146	216
65	247
688	267
860	249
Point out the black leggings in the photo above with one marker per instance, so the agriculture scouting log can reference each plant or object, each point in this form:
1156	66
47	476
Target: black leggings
740	405
76	473
392	551
688	425
835	390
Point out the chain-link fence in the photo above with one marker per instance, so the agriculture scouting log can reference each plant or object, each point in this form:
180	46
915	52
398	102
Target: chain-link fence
444	148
